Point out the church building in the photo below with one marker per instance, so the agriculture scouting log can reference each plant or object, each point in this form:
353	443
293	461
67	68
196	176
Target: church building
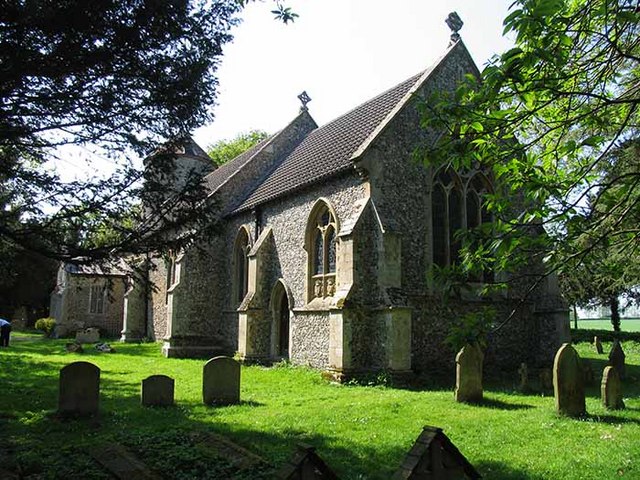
329	234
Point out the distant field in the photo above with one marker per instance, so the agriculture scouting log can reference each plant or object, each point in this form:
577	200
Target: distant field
626	324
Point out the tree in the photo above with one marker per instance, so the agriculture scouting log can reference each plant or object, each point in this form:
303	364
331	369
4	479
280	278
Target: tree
119	78
224	150
544	118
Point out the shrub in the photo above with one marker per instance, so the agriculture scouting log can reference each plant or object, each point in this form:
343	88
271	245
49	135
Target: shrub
46	325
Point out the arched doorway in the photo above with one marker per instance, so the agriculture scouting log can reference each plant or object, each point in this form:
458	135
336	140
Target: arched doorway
280	325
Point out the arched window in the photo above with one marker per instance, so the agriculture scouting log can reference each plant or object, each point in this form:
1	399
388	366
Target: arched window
241	266
455	205
446	218
321	246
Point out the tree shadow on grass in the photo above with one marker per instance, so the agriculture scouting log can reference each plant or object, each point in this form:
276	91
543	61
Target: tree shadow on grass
494	403
500	471
610	419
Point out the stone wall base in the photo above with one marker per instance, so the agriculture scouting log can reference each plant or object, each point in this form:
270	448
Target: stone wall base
398	378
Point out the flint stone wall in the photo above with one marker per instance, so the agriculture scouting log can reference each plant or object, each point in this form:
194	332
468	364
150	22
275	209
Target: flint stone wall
76	302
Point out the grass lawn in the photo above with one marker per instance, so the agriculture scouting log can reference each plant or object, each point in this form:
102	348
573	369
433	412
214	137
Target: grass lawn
626	324
361	432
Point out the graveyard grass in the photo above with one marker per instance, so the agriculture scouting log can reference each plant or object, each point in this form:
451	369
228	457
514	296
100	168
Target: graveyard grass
362	432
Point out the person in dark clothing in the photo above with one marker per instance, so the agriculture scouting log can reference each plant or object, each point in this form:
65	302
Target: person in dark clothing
5	332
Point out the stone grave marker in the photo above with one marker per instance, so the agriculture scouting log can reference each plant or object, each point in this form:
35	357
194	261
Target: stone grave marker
611	389
305	464
79	392
546	379
121	463
617	358
524	377
157	391
221	381
88	335
469	374
587	373
568	382
598	344
434	456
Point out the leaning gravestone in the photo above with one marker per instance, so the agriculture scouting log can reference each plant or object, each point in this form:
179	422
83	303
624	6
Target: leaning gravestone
469	374
568	382
617	358
598	344
611	389
157	391
79	392
221	381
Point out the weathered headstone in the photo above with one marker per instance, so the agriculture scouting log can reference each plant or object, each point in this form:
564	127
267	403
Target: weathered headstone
617	358
611	389
546	379
79	392
221	381
88	335
469	374
598	344
524	377
434	456
121	463
157	391
568	382
587	373
305	464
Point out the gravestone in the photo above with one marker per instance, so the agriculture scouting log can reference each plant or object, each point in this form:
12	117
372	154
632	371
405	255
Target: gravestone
611	389
587	373
568	382
434	457
546	379
221	381
157	391
469	374
617	358
524	377
88	335
598	344
79	392
305	464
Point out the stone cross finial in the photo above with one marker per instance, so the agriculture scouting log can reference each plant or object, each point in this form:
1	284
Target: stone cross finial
455	24
304	99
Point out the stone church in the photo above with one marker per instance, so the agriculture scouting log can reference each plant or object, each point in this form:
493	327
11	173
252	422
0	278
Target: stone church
329	234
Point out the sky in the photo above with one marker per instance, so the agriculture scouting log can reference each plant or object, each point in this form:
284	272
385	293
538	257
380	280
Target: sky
341	52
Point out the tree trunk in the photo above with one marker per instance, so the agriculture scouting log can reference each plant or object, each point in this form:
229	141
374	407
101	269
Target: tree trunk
615	312
575	316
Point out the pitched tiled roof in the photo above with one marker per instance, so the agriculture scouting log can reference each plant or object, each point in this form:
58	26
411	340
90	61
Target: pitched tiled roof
223	172
328	150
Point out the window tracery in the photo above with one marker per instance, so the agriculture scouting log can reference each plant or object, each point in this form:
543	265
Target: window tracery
321	237
457	204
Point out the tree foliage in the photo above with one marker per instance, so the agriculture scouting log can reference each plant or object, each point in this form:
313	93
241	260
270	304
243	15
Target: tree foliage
544	118
224	150
118	78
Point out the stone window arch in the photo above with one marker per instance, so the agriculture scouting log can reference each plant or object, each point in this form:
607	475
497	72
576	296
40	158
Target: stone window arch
240	265
321	246
457	203
447	216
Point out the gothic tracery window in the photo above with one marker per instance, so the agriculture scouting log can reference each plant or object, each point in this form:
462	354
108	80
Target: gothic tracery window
457	204
321	237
